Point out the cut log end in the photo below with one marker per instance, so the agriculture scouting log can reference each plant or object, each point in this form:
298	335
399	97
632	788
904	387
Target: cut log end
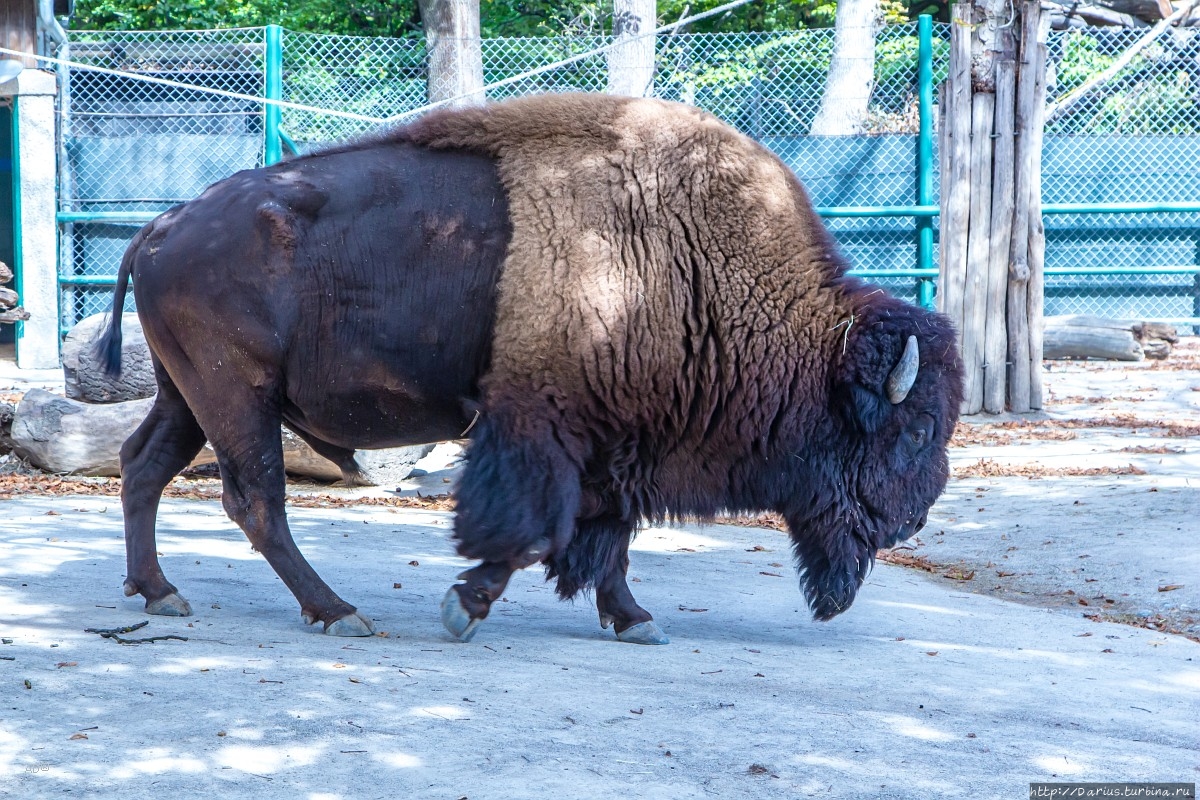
1082	337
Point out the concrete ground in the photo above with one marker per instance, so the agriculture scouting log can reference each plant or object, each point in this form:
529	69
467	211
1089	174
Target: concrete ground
935	684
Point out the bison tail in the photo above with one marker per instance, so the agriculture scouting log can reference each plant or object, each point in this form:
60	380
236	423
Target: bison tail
108	346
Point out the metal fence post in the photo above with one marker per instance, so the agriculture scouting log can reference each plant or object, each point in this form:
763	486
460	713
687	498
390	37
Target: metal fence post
273	90
925	153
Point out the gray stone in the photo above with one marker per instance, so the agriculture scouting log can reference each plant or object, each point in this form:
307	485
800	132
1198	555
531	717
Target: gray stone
82	375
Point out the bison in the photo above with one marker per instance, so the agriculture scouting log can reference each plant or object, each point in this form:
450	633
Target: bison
633	309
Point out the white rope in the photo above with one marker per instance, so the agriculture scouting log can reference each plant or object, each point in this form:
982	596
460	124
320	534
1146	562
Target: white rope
191	86
362	117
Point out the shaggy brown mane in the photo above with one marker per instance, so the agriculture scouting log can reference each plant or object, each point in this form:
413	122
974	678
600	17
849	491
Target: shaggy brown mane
660	236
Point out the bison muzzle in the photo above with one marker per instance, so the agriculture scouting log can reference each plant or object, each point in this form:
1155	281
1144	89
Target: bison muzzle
636	306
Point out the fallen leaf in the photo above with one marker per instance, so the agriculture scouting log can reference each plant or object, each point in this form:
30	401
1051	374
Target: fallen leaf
74	736
339	666
684	608
637	710
355	680
1170	587
414	563
397	586
54	514
62	664
771	574
757	769
931	652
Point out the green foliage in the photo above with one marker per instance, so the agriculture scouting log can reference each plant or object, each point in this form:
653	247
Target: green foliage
399	18
362	17
1082	58
1155	93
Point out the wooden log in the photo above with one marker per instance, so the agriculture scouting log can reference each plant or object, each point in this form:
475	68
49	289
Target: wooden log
983	109
61	435
8	298
995	347
1062	337
1081	16
12	315
956	182
1084	341
6	274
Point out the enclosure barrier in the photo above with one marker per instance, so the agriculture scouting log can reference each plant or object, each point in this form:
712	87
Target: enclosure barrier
877	192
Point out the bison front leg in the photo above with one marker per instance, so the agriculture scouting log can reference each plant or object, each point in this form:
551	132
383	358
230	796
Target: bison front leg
616	605
598	556
517	504
467	604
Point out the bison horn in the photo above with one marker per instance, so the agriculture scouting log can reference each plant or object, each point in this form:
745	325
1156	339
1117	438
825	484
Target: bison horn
904	375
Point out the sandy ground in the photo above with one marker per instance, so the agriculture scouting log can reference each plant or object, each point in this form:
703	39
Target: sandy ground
935	684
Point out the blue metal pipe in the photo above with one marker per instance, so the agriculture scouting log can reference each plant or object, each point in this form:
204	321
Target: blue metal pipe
925	153
273	90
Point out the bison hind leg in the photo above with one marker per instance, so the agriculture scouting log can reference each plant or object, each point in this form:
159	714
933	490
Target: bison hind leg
163	444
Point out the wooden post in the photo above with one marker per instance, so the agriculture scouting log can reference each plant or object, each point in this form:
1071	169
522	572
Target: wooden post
992	240
956	179
995	347
1037	231
983	111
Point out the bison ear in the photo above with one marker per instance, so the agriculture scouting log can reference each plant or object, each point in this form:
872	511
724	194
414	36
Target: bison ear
864	409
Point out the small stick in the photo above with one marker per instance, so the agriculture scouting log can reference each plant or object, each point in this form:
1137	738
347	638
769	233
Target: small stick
114	634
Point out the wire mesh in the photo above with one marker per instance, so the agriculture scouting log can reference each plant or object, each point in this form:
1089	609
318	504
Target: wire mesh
135	146
1134	138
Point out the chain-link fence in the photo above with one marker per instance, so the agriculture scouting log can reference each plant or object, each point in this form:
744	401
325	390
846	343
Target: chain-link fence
132	147
1133	139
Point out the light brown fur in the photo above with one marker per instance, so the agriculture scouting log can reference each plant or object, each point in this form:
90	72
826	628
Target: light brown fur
656	253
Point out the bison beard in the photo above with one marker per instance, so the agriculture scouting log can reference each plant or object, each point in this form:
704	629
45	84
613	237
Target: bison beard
674	335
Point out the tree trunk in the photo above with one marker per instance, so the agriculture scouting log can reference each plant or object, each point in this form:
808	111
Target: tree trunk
455	54
851	78
631	58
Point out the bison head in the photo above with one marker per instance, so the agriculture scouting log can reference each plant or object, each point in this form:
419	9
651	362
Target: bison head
894	391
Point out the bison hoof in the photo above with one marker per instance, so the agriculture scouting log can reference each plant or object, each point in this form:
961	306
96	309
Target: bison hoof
456	618
170	606
643	633
350	625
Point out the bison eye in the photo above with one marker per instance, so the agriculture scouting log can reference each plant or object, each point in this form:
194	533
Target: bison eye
918	433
